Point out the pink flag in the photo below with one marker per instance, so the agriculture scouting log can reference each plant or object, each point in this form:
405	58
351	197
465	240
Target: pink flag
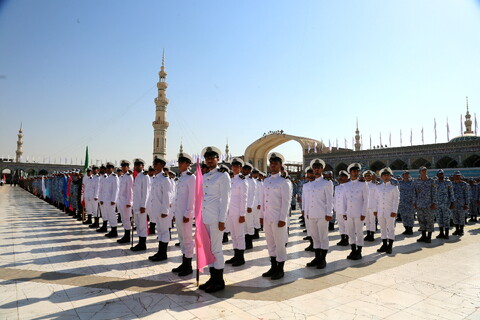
202	239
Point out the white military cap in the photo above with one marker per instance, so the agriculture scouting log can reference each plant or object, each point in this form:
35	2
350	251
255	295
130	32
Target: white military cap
255	170
238	160
184	156
354	165
248	164
343	173
317	160
138	160
110	164
386	170
157	159
124	163
211	150
275	156
308	168
367	172
88	169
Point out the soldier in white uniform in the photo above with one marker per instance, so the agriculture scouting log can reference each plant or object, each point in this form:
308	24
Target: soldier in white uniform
151	226
258	203
343	177
92	207
355	197
236	213
141	196
101	199
125	200
370	224
216	199
110	193
251	203
277	196
306	189
183	209
88	196
319	213
161	195
386	198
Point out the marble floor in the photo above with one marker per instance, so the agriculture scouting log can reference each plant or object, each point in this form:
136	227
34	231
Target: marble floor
53	267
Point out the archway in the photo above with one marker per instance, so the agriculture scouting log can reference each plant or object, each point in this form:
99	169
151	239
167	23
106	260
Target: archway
398	165
472	161
421	162
446	162
43	172
341	166
377	165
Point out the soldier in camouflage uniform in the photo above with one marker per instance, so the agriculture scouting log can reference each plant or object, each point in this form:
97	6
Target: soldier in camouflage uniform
424	202
407	198
445	202
474	200
462	198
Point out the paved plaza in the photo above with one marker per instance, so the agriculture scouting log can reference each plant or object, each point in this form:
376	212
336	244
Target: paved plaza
53	267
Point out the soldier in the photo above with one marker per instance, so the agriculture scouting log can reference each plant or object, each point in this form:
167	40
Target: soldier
251	203
461	191
306	193
101	198
386	198
94	206
328	175
125	200
141	197
216	199
276	205
258	205
110	194
355	205
370	218
445	202
183	208
87	195
236	213
474	200
161	194
343	177
407	197
425	203
151	228
319	213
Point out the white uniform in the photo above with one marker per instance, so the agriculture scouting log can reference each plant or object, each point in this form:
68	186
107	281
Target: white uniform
216	199
370	218
306	190
277	196
141	196
320	205
110	194
125	197
237	209
339	209
386	200
91	193
259	202
355	203
161	194
251	203
183	207
101	196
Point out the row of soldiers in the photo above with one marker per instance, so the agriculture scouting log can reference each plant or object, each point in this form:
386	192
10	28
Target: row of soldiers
243	200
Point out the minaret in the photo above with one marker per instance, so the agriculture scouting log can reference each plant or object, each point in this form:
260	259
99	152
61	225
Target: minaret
181	147
19	151
468	122
227	152
358	145
160	124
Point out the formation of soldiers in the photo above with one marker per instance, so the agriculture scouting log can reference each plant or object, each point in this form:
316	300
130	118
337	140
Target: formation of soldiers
241	201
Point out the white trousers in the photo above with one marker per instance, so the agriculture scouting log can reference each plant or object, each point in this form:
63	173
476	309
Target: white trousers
163	227
237	231
92	207
185	236
307	226
216	237
103	212
370	221
387	227
110	215
355	231
276	240
249	224
319	232
342	225
256	218
126	214
140	220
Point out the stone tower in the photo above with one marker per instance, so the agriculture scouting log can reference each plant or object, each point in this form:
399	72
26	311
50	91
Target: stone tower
19	151
160	124
358	145
468	122
227	153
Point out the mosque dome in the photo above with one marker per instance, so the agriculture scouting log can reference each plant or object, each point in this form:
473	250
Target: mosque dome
466	138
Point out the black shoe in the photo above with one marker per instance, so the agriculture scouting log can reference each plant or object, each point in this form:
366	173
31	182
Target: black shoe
209	281
177	244
367	236
315	261
358	253
446	234
423	237
460	233
457	230
306	238
125	238
187	268
344	240
440	235
89	220
141	245
104	227
234	258
161	255
408	231
279	273
180	267
240	259
225	237
256	235
310	246
218	282
389	247
273	267
96	224
384	246
352	253
322	263
113	233
429	238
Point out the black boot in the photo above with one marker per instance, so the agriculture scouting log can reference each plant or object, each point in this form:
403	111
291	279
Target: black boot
441	235
331	226
152	227
322	263
429	238
279	273
79	216
125	238
344	240
218	282
141	245
423	237
104	227
234	258
240	259
358	253
161	255
352	253
367	237
408	231
315	261
89	220
457	230
384	246
446	234
390	245
310	246
96	224
225	237
248	241
113	233
256	235
371	237
187	268
273	267
180	267
460	232
209	281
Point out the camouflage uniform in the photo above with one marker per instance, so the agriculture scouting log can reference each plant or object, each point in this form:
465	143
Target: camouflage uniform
462	198
407	198
474	197
425	196
445	197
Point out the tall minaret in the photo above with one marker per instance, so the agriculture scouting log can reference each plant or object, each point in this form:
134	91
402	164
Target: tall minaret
181	147
468	122
358	145
227	152
160	124
19	151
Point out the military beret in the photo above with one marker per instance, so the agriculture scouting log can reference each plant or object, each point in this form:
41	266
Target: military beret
237	161
354	166
184	157
275	156
317	161
211	151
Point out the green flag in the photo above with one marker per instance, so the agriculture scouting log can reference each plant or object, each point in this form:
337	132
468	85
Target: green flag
85	164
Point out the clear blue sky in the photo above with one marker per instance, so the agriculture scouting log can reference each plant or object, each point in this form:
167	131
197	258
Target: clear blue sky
80	73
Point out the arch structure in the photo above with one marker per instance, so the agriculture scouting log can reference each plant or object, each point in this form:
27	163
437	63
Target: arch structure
257	152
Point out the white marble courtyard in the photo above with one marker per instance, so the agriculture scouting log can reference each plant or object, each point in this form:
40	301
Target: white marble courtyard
53	267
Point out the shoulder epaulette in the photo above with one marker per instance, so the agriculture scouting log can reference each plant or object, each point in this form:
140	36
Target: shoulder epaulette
241	176
114	174
145	173
189	173
128	173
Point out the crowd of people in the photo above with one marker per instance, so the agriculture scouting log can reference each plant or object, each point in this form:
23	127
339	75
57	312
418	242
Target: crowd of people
240	200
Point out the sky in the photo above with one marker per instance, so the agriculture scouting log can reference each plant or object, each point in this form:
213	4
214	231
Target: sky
84	73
